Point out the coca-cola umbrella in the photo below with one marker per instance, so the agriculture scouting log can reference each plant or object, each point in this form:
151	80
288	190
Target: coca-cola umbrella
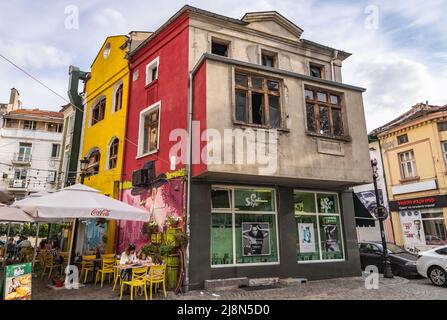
80	202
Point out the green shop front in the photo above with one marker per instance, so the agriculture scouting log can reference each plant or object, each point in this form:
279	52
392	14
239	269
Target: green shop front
271	231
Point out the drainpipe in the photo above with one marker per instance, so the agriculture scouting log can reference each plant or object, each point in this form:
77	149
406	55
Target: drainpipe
335	56
189	166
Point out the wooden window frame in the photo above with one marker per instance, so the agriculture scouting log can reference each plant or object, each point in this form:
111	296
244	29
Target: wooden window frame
265	92
32	125
319	66
100	105
113	154
92	165
316	108
273	55
155	108
119	97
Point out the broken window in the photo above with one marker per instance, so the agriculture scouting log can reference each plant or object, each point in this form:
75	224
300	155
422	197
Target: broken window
324	113
269	59
258	100
316	71
219	47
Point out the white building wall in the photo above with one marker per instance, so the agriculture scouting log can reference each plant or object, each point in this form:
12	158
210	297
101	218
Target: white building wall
42	165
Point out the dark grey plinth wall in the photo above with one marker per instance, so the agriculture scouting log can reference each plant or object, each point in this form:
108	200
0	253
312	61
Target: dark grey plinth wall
200	247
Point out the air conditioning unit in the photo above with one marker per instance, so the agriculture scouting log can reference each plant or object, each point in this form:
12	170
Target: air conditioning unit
140	178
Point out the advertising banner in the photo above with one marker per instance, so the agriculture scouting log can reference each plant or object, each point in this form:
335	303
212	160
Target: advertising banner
307	237
256	239
18	280
330	234
412	229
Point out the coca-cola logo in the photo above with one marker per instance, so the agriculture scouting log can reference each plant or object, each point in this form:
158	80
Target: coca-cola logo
100	213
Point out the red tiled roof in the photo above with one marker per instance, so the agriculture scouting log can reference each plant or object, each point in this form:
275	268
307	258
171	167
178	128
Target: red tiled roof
417	111
36	113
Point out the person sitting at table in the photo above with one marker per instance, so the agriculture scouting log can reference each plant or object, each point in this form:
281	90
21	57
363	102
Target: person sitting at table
128	257
143	258
25	243
55	252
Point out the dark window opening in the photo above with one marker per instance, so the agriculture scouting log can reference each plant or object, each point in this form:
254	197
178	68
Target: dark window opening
257	101
219	48
402	139
316	71
269	59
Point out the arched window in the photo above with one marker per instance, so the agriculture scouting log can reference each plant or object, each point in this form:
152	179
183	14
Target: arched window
94	157
119	98
99	111
113	153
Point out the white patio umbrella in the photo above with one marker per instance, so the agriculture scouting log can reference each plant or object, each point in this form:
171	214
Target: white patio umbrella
80	202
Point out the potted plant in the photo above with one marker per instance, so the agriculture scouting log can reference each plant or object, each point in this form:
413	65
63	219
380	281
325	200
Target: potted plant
181	239
166	252
58	282
172	221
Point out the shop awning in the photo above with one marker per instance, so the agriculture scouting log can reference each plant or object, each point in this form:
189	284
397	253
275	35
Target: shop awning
363	217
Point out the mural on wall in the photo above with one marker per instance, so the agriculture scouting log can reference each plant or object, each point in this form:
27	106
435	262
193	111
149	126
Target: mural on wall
159	203
94	236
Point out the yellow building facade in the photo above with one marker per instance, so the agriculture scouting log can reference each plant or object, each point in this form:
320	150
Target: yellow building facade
104	120
414	150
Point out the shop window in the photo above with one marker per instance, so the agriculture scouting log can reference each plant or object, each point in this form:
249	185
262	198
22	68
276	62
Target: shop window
402	139
407	165
247	234
98	111
220	47
258	100
434	228
319	234
324	113
149	130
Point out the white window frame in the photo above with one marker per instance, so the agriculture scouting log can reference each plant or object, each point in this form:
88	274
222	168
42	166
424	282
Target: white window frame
151	66
143	113
58	150
318	215
233	217
403	165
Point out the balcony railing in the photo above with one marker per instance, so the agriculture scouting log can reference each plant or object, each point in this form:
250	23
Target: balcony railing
17	184
22	157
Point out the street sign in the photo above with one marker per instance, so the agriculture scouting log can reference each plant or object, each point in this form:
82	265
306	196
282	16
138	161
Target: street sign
380	213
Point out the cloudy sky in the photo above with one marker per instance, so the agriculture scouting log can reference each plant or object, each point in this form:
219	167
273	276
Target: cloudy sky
399	47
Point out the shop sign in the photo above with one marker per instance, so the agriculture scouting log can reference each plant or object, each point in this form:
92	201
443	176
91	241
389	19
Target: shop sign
18	279
419	203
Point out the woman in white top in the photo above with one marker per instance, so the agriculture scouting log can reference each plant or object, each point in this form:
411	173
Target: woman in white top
129	256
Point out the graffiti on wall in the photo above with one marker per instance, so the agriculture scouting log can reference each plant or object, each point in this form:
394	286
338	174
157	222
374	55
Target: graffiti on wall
159	203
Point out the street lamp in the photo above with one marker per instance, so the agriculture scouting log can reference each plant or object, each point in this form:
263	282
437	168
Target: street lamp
381	216
83	166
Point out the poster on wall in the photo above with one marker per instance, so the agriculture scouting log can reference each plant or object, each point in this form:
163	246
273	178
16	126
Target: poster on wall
18	279
412	229
255	239
330	235
307	237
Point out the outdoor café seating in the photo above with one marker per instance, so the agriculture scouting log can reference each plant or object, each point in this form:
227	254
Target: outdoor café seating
137	281
107	269
87	265
157	276
50	265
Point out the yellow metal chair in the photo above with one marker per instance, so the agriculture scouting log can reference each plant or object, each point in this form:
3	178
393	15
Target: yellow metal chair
50	265
107	268
116	276
109	255
138	281
157	275
87	265
64	256
26	255
41	258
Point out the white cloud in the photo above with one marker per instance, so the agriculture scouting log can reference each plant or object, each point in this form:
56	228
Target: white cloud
34	55
110	18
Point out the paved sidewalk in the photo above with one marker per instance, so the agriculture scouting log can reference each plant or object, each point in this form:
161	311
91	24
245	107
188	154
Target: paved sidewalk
334	289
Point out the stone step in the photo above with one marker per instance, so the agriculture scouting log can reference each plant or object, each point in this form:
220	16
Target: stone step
257	282
226	284
290	282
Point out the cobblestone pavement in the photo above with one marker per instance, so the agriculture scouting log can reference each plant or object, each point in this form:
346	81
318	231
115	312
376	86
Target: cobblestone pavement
335	289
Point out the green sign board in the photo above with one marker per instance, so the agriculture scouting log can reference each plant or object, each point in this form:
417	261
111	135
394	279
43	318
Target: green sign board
18	280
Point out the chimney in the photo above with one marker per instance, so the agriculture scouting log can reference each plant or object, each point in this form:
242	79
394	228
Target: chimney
14	101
